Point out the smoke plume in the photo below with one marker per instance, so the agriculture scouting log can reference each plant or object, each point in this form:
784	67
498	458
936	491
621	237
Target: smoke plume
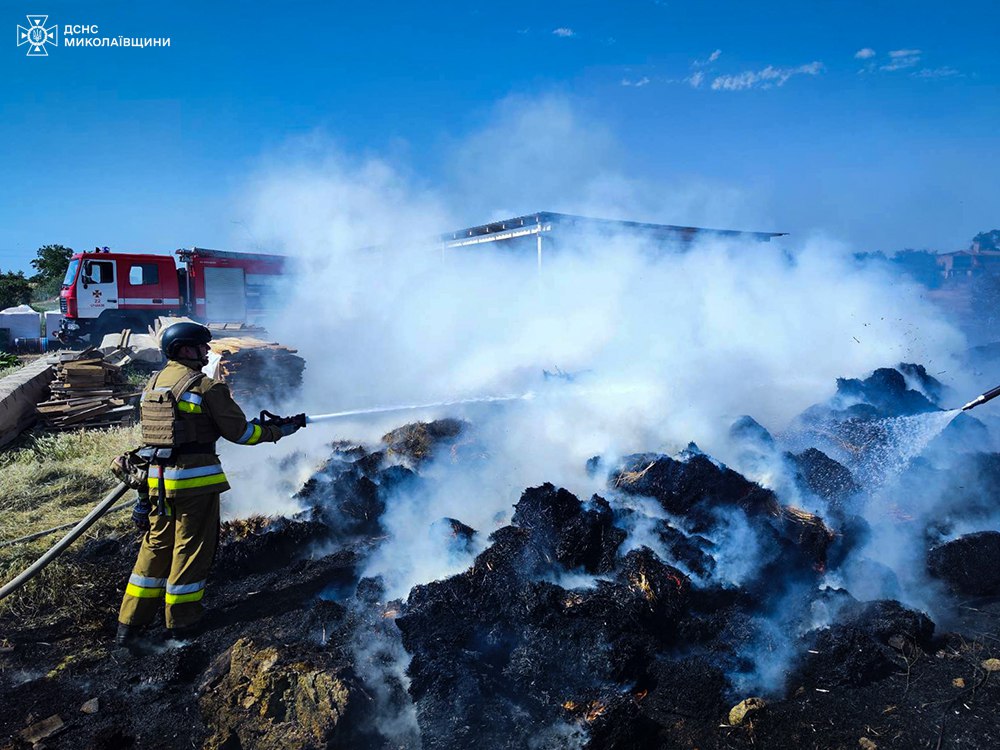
664	346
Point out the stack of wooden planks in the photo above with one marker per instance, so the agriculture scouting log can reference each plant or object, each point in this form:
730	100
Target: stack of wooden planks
88	392
258	370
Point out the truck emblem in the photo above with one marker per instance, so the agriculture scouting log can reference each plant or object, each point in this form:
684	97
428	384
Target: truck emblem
97	296
37	36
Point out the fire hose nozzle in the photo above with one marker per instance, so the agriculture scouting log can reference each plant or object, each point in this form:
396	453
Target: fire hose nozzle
988	396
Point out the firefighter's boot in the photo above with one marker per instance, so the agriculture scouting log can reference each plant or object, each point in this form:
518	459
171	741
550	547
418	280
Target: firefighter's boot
132	638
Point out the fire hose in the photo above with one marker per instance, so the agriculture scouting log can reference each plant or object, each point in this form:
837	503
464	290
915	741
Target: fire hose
988	396
265	418
60	527
36	567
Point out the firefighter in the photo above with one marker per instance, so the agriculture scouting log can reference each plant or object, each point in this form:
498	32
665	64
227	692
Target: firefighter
183	414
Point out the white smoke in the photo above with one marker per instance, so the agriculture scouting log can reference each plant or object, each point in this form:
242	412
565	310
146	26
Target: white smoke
668	347
672	345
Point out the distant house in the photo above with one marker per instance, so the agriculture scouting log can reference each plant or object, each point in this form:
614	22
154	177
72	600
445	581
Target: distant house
969	263
544	230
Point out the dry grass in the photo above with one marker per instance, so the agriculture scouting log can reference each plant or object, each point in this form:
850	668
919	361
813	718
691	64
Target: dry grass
47	480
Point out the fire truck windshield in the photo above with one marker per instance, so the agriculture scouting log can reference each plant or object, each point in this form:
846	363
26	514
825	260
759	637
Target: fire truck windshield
74	264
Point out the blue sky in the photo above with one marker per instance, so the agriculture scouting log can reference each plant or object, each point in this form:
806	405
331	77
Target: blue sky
871	122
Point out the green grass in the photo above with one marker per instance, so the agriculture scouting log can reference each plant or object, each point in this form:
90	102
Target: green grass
51	479
9	363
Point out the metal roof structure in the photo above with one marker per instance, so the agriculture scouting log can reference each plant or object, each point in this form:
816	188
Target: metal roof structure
544	222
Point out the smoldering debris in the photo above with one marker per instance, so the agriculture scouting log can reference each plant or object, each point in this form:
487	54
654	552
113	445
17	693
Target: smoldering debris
641	615
969	565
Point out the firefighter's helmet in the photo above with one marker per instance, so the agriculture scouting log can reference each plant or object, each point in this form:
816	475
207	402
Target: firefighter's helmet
183	334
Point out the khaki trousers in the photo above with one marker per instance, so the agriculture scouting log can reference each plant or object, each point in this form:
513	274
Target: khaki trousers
173	563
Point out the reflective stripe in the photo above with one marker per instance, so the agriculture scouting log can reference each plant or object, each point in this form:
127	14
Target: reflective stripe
181	598
182	479
143	593
147	583
151	301
185	588
251	435
173	472
186	484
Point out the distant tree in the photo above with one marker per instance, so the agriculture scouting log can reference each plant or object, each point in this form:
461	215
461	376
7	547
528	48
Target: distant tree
50	265
921	265
987	240
15	289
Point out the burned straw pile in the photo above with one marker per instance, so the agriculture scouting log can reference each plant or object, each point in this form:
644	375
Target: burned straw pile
844	605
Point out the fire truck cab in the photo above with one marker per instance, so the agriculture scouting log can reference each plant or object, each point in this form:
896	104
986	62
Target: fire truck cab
105	291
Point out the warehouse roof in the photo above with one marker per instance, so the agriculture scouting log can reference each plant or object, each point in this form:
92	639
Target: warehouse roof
546	221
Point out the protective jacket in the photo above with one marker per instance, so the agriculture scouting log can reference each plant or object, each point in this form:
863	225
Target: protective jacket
206	411
177	550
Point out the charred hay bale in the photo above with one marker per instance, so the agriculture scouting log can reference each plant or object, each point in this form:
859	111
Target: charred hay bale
515	554
919	375
846	656
616	722
821	475
692	551
692	688
658	592
746	429
259	696
419	440
260	544
495	641
886	390
702	491
808	533
691	488
349	504
395	479
350	491
714	615
888	621
871	641
969	565
459	536
577	538
346	457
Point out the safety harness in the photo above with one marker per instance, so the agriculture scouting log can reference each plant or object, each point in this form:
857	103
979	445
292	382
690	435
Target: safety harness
165	434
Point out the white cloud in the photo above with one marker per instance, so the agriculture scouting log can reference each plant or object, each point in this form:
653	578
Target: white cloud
767	78
708	60
637	83
900	59
943	72
695	79
864	53
564	32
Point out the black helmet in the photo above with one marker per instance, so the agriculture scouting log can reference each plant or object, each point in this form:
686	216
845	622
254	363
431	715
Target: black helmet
182	334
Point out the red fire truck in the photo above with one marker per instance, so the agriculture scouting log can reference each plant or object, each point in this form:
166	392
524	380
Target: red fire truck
106	291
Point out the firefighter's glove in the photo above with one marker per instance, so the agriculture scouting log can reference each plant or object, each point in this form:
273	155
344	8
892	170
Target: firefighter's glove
140	513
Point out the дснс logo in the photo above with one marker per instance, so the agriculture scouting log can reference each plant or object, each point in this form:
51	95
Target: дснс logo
37	36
